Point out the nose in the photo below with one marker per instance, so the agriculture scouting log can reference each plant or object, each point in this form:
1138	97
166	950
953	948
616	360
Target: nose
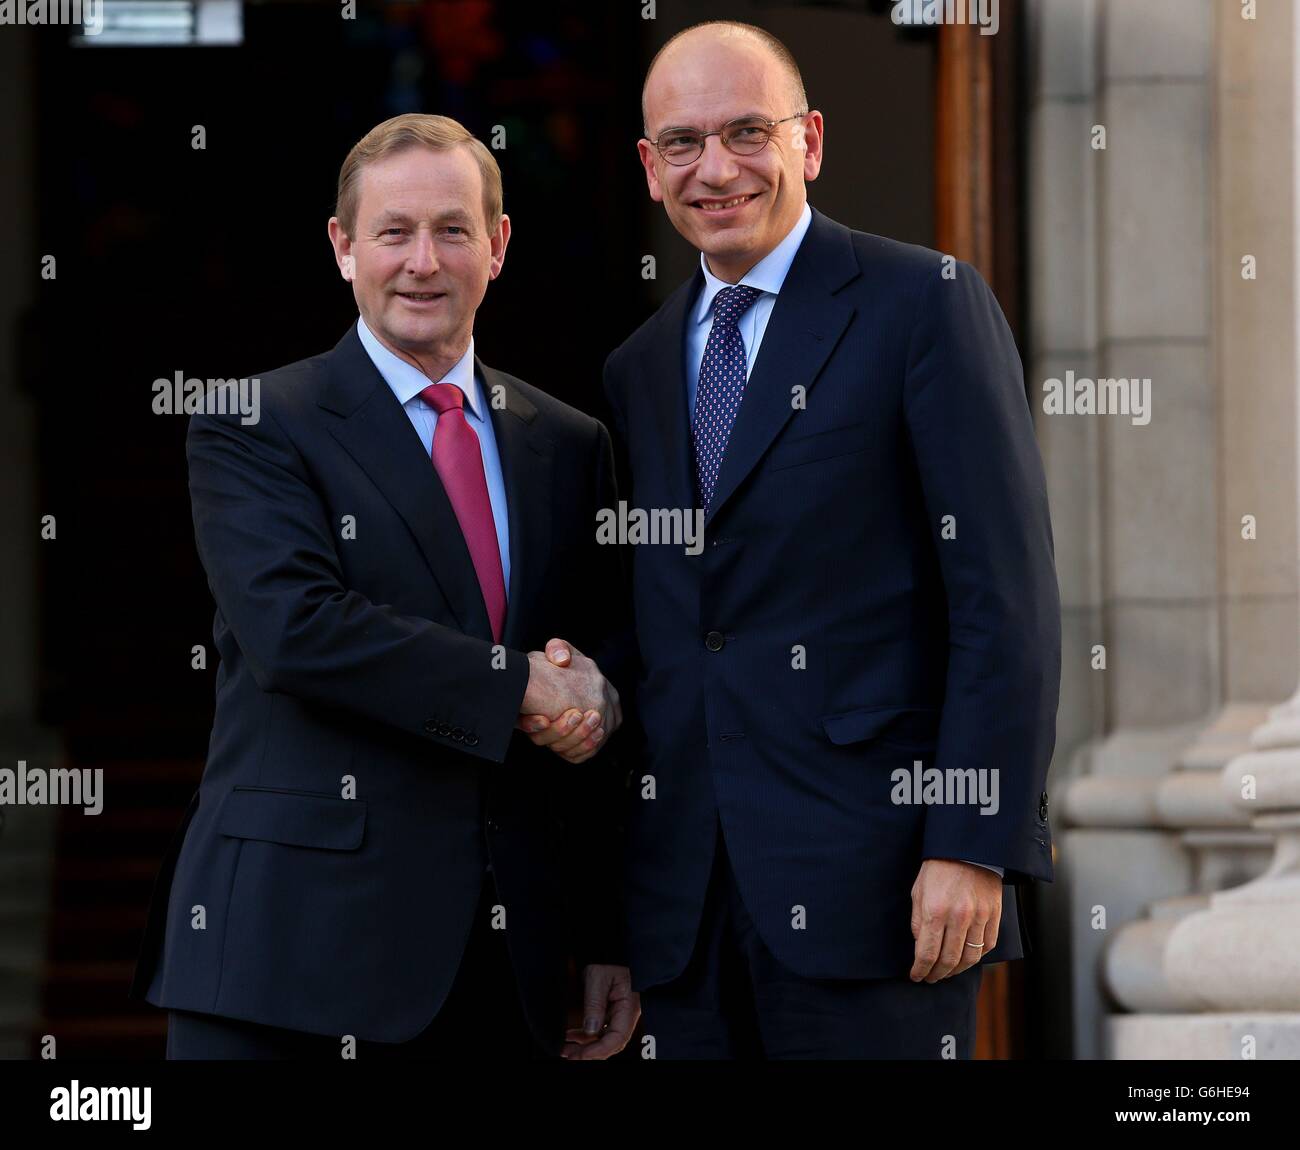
422	260
717	165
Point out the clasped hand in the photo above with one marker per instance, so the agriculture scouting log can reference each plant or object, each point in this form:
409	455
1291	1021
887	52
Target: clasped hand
569	705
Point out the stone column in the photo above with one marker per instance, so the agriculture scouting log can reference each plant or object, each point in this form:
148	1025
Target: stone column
1238	959
1177	539
1061	78
1120	287
1211	836
1217	974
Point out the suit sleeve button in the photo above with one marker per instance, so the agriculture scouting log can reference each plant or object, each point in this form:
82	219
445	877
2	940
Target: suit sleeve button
471	740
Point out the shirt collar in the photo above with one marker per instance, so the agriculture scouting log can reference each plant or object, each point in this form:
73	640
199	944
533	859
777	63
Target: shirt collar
767	275
407	381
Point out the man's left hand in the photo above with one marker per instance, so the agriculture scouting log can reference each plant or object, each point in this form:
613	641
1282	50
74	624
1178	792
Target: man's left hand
610	1010
953	904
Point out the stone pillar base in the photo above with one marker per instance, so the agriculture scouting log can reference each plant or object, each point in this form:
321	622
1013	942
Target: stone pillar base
1212	1037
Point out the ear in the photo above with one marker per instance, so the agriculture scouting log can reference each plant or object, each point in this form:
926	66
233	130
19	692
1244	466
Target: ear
342	244
814	128
646	150
498	240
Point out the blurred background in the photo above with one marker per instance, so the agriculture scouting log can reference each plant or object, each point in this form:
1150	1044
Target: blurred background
1123	172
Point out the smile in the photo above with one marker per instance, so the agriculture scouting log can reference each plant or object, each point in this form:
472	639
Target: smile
725	205
420	297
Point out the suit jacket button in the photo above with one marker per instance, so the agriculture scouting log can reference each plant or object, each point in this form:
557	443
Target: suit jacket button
493	825
714	641
471	740
1042	806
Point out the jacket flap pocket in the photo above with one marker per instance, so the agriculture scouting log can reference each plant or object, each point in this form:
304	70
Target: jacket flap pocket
907	724
296	818
820	445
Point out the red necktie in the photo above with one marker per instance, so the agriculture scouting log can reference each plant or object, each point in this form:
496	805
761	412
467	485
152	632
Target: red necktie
459	463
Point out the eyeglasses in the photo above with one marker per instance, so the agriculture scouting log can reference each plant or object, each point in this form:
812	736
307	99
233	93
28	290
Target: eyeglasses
744	136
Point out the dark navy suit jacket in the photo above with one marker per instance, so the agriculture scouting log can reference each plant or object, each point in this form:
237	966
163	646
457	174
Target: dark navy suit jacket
829	634
372	657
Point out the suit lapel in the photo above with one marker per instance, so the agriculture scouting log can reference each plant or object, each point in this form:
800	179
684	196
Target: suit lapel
805	325
526	462
666	381
376	432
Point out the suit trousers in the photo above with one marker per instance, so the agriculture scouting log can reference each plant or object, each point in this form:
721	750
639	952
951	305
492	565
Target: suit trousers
481	1019
734	1000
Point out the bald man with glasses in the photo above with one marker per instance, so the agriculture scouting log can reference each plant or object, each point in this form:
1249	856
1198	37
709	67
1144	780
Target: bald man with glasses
874	607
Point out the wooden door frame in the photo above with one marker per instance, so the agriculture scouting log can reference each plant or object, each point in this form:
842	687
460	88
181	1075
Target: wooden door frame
978	177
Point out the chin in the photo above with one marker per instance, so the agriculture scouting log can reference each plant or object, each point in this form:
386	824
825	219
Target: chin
727	244
415	333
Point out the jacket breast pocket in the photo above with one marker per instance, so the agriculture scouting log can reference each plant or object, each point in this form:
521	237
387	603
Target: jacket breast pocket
821	445
294	818
908	727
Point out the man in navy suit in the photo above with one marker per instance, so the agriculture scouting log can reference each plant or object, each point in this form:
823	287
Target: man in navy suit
377	863
848	697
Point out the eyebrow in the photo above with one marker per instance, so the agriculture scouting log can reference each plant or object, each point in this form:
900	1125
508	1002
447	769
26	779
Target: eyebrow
388	218
696	128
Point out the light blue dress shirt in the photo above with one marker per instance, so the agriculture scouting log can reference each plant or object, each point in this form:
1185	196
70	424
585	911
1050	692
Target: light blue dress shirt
407	382
767	276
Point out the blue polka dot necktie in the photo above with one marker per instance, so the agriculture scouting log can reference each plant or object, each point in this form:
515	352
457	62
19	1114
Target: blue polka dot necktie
722	383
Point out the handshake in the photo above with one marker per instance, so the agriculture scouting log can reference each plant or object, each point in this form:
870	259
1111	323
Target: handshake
569	705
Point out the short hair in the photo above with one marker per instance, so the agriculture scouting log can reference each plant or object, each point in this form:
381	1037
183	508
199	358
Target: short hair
411	131
753	32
